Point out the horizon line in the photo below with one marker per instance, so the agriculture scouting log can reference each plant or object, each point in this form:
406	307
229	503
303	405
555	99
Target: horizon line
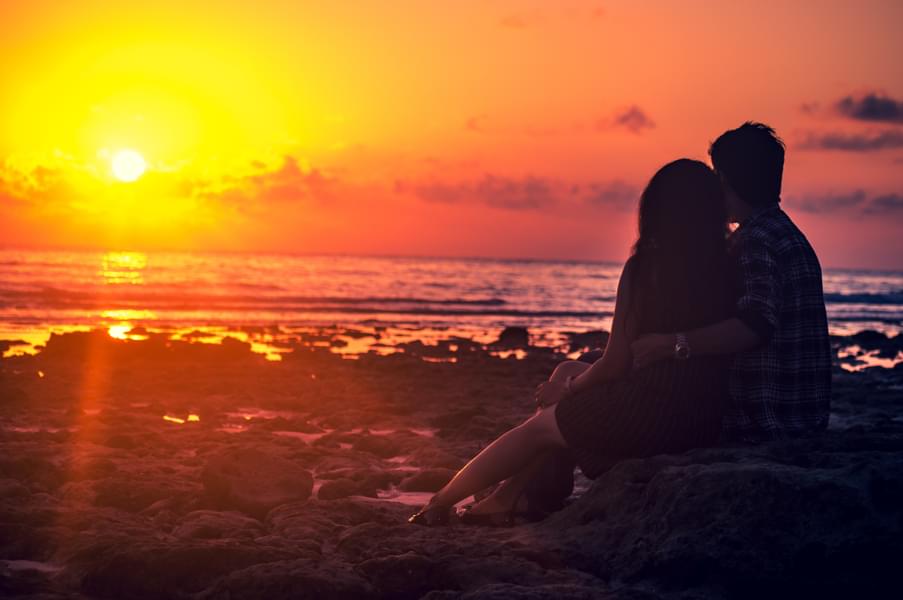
479	258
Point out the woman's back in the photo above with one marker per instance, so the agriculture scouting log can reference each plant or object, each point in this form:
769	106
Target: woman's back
680	275
679	278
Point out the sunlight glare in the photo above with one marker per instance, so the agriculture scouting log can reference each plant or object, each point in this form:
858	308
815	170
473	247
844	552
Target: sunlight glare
128	165
119	332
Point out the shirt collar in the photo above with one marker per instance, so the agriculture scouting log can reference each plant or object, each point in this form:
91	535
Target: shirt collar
758	212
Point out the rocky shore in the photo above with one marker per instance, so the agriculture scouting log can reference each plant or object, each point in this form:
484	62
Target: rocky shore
162	469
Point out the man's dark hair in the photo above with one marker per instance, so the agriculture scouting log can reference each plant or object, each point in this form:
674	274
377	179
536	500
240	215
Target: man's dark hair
751	159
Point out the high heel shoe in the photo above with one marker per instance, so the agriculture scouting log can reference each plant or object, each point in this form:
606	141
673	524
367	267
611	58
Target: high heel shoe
504	518
431	516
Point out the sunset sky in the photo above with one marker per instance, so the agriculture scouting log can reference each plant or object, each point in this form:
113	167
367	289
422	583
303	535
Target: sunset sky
480	128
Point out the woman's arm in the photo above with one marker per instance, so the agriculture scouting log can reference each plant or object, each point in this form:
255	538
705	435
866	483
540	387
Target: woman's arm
616	361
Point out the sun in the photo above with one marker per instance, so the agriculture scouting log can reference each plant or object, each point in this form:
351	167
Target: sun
128	165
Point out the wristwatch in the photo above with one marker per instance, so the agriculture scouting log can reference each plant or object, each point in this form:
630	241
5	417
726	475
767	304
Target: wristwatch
681	347
567	384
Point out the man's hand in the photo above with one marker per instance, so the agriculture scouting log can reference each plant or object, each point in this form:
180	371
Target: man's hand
549	393
651	348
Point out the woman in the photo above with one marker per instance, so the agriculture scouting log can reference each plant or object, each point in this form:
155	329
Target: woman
677	279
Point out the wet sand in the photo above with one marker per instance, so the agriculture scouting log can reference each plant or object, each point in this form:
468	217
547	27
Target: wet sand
166	469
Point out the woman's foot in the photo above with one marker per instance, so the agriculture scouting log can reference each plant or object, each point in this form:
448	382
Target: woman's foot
495	512
492	505
431	516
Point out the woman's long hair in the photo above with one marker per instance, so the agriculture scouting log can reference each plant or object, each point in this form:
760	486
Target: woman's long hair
680	277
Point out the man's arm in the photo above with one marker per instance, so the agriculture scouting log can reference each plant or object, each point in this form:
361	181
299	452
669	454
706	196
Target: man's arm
756	320
724	337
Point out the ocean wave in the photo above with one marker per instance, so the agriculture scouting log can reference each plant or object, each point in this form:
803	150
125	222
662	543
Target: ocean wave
865	298
50	295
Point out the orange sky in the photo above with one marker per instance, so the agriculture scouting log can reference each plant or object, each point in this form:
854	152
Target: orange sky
510	129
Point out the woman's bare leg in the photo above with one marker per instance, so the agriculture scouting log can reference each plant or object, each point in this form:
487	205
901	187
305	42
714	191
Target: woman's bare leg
506	456
503	498
505	495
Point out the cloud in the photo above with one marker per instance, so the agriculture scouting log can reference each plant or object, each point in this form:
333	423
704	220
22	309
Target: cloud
613	193
809	108
632	118
286	183
31	184
853	142
829	203
872	106
888	203
526	193
476	124
853	203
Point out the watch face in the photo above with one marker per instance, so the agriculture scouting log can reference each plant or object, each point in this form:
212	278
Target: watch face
682	351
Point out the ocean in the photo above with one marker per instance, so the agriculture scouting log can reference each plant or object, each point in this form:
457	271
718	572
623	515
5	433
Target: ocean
373	303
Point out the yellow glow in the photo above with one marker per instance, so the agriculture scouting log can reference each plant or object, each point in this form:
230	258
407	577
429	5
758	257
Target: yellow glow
128	313
193	417
119	331
128	165
173	419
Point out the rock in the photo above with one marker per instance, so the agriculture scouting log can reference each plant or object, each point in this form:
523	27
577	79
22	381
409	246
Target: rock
91	468
507	591
437	458
337	488
745	520
131	493
36	471
253	481
121	441
10	488
513	337
289	580
343	487
407	575
141	568
210	524
379	445
429	480
588	339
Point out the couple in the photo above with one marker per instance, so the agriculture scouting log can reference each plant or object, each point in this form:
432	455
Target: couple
715	337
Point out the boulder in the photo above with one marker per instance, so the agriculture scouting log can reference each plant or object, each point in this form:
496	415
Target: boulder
815	517
378	445
513	337
588	339
211	524
289	580
429	480
344	487
407	575
253	481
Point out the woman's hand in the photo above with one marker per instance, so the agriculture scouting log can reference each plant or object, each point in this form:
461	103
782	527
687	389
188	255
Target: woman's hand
549	393
652	348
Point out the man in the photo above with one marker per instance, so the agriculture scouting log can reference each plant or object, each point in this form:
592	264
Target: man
780	381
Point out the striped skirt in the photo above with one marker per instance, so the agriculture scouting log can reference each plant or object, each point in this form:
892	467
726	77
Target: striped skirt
667	407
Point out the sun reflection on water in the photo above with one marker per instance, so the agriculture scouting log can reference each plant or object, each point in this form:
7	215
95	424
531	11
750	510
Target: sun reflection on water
123	267
123	331
191	417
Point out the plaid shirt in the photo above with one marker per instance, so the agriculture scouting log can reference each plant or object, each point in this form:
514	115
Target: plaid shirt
782	387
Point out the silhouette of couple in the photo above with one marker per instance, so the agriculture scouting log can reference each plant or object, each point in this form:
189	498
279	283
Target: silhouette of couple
716	337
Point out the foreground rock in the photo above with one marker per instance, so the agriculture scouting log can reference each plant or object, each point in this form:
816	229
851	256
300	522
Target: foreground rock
121	503
253	481
813	518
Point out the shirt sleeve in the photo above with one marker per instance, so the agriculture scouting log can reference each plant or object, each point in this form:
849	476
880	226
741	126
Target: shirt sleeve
760	299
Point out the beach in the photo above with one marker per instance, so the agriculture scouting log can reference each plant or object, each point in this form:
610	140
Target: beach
157	468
